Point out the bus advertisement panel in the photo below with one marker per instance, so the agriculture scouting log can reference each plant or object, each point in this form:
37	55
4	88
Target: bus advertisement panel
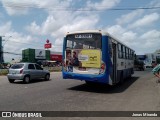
83	58
90	58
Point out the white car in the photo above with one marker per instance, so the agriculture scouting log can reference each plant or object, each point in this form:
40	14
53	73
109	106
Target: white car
27	72
148	65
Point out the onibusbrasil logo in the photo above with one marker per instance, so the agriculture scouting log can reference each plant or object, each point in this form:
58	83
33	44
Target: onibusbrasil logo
20	114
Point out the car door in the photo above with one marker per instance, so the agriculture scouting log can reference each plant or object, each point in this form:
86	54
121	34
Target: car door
32	71
39	71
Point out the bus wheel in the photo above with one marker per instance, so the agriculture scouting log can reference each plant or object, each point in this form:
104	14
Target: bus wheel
89	83
121	79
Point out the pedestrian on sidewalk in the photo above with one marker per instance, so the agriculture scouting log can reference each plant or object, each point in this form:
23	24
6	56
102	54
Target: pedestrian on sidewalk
156	72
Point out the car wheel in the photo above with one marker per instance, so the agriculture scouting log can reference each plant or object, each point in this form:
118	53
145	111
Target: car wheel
47	76
11	80
26	79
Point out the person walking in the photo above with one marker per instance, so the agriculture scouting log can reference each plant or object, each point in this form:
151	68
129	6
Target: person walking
156	72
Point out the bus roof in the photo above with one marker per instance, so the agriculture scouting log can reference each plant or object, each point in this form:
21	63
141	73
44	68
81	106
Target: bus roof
98	31
88	31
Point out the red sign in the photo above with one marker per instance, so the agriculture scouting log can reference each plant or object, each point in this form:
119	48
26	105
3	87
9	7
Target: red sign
56	57
47	41
48	45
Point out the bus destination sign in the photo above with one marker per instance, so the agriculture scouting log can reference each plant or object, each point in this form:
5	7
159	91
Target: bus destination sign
83	36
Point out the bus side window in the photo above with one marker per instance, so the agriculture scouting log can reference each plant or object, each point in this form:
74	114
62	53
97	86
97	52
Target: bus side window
120	53
110	49
124	53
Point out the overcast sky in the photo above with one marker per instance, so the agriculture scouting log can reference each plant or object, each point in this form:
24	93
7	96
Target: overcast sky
31	22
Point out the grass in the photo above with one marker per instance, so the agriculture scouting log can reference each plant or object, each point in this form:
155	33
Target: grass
3	71
54	69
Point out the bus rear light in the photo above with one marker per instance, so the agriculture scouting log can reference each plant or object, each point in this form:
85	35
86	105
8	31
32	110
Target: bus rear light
103	66
102	69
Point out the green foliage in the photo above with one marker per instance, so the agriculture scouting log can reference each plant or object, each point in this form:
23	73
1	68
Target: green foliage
3	71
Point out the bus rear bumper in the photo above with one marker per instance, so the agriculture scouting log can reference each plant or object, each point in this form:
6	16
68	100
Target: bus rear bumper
93	78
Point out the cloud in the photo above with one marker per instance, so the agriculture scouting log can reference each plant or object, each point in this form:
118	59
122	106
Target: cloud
147	42
5	28
115	30
34	28
127	18
152	36
122	34
131	16
154	3
16	42
129	36
78	23
145	21
103	5
1	15
150	41
56	25
53	22
17	7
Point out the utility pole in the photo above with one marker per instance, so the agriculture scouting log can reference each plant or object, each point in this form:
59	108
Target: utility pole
1	51
2	47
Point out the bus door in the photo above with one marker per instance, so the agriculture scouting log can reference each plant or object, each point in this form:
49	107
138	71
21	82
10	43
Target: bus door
114	56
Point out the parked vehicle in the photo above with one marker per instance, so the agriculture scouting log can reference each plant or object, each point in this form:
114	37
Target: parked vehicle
148	65
27	72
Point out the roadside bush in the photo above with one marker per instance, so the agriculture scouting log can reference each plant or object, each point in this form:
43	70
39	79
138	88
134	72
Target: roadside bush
3	71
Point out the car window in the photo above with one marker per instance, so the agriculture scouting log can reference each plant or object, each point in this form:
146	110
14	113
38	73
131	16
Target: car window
17	66
31	66
38	67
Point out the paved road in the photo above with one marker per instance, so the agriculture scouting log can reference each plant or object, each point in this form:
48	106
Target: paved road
141	93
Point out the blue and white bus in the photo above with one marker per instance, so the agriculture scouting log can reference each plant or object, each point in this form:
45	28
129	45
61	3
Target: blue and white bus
96	56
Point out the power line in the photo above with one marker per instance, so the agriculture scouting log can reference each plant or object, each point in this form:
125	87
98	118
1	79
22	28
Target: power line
24	43
33	43
63	8
11	53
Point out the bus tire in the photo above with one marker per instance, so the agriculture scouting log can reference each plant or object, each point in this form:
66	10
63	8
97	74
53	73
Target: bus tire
89	83
121	79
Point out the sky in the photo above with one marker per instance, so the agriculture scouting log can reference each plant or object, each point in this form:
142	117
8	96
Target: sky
29	23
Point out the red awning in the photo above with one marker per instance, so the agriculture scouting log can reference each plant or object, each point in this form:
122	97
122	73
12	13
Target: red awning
56	57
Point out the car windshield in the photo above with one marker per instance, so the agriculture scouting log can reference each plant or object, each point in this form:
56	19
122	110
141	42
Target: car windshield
17	66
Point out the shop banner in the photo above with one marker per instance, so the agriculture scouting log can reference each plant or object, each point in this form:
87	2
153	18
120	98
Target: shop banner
40	54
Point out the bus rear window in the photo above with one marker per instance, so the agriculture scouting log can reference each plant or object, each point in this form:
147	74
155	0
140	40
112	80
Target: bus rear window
84	41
